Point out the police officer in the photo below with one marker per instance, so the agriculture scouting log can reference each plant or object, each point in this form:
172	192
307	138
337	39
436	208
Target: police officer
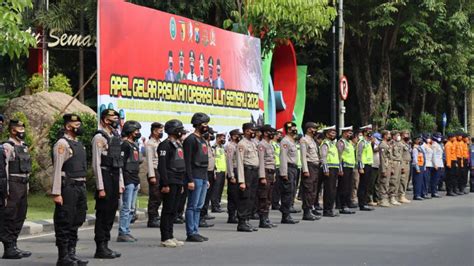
3	180
131	156
310	169
232	184
276	186
465	160
154	197
171	168
365	158
397	156
451	165
383	183
438	164
247	175
107	163
266	154
405	169
197	159
418	168
211	176
221	168
331	168
69	189
288	171
18	168
347	158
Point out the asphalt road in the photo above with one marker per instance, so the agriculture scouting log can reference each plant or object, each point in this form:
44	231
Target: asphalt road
431	232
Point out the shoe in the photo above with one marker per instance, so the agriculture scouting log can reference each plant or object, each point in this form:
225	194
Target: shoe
102	252
436	195
203	237
403	199
316	213
287	219
372	203
244	227
263	222
24	253
125	238
353	205
275	207
217	210
194	238
169	243
208	217
426	197
10	252
177	242
178	220
384	203
63	257
417	198
394	202
232	220
270	222
460	192
254	228
346	211
366	208
132	237
74	257
293	210
330	213
204	224
153	223
308	216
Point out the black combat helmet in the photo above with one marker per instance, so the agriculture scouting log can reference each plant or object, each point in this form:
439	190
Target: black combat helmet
130	126
199	118
172	127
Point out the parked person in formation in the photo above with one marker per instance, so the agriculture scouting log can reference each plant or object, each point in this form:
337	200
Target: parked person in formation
232	184
365	159
451	165
438	164
405	169
276	187
373	199
347	158
221	168
429	162
3	180
397	158
211	176
383	184
462	184
153	177
418	168
331	168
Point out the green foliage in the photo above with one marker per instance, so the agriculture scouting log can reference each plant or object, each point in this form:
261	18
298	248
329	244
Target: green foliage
14	41
454	126
35	83
60	83
427	123
399	123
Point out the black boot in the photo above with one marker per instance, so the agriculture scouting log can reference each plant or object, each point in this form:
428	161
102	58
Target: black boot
232	219
10	251
203	224
72	255
287	219
254	228
63	257
243	227
153	222
114	253
308	216
263	222
270	222
24	253
102	252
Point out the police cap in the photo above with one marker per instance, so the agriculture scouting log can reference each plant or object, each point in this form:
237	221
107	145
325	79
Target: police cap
130	126
199	118
235	132
108	112
267	128
71	118
172	127
310	125
15	123
246	126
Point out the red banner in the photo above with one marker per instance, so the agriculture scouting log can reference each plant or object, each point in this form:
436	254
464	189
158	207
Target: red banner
154	66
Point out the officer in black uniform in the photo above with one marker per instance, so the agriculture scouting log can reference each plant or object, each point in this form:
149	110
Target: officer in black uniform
3	179
18	167
107	163
172	170
69	189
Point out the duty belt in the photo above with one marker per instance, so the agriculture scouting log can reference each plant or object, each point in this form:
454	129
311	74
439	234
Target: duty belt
251	167
72	182
18	179
292	165
314	164
270	171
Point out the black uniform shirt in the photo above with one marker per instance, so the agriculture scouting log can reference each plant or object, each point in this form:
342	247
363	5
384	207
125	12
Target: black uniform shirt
166	153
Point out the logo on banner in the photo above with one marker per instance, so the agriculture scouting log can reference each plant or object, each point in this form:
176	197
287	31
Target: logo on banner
182	32
173	28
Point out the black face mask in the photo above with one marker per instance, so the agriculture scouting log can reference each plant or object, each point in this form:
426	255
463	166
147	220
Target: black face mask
203	129
137	136
223	142
205	135
369	135
252	136
78	131
295	131
279	139
113	124
406	139
20	135
212	138
160	135
271	136
179	134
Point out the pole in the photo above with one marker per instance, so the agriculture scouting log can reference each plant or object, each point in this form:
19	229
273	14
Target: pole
333	76
465	111
45	55
342	108
81	57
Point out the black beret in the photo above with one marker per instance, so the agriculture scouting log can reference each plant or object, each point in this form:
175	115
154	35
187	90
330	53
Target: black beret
16	123
235	132
108	112
71	118
267	128
246	126
156	125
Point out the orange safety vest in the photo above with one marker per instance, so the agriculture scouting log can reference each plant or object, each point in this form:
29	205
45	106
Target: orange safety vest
450	150
421	158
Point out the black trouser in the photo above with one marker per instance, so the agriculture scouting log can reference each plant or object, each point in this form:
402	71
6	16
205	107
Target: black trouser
286	189
232	195
154	198
247	197
217	190
329	182
15	209
168	213
462	177
309	186
264	192
373	180
106	208
296	184
344	188
207	200
451	176
276	189
362	190
471	180
72	214
182	201
319	188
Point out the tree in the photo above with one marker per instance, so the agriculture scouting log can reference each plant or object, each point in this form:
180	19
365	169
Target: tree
14	41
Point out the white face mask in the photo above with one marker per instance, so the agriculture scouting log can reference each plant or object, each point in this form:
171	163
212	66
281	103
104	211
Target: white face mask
361	137
398	138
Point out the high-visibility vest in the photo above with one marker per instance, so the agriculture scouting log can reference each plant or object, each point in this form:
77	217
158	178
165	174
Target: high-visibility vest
421	158
276	147
348	154
367	153
221	164
299	162
332	159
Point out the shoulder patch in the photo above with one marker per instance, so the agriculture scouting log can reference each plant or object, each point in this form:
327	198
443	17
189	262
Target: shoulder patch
285	146
60	149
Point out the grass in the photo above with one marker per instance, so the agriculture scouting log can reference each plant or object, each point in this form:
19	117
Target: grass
41	206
